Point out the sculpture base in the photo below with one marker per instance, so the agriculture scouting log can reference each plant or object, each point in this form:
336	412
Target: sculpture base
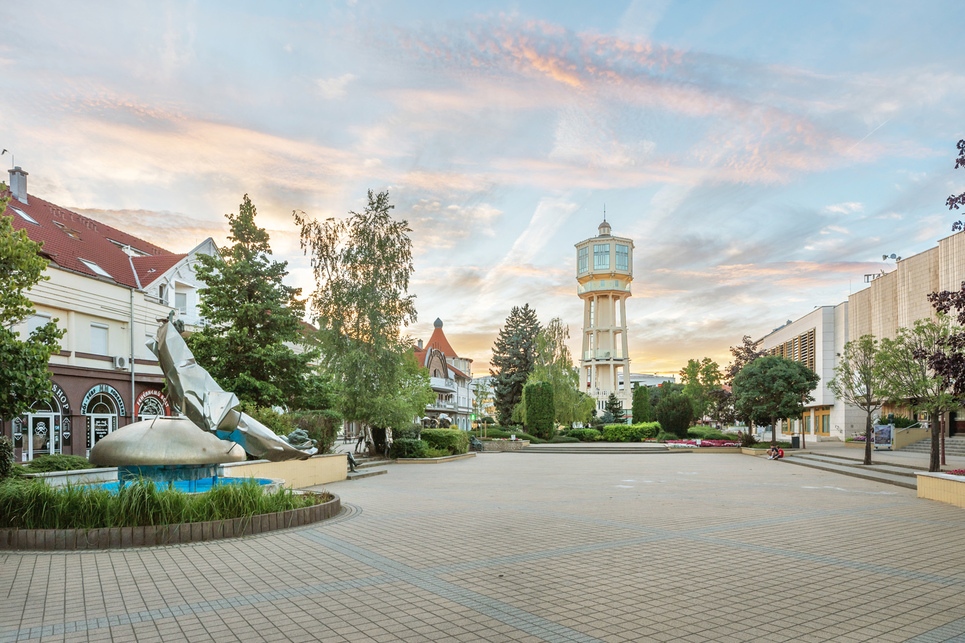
164	474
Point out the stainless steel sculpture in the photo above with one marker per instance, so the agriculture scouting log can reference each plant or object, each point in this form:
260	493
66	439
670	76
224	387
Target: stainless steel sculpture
192	390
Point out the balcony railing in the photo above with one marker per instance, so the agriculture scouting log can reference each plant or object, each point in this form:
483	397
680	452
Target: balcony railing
442	384
604	284
603	354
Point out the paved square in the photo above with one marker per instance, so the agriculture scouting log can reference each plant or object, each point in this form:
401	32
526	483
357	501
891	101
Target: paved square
536	547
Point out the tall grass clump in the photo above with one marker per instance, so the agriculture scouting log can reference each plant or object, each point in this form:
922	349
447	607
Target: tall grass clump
36	505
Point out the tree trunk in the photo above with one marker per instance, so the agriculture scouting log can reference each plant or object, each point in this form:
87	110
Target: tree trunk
934	461
867	439
773	432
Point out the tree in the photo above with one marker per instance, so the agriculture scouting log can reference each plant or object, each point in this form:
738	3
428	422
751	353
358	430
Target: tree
743	354
909	379
514	356
859	380
721	406
658	392
675	413
252	316
642	411
772	387
700	378
24	378
554	364
362	267
540	412
614	407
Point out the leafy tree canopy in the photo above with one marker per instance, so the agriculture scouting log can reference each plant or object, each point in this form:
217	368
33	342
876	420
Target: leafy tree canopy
909	378
362	266
24	378
744	354
859	380
253	318
771	388
700	378
554	365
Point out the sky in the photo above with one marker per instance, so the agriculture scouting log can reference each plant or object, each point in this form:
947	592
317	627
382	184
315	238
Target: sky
763	156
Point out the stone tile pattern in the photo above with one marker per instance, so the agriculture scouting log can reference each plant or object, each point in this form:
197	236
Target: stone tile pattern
542	547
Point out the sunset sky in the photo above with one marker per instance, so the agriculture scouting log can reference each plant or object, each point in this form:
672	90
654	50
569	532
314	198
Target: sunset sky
762	155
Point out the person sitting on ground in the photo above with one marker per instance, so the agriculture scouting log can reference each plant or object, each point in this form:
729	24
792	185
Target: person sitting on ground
772	453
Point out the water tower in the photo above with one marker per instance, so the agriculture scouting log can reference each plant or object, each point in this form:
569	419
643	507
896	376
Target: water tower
604	270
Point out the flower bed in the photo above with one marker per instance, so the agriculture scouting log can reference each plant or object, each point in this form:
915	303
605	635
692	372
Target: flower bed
689	444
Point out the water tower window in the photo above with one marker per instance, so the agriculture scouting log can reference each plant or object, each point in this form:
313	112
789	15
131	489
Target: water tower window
601	256
583	260
623	257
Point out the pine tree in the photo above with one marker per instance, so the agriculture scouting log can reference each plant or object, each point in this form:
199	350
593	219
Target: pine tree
251	315
614	407
514	355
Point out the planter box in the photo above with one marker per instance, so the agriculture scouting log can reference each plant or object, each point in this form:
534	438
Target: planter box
942	487
149	536
504	445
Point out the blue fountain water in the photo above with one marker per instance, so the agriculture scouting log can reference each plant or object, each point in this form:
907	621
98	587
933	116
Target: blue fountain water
187	486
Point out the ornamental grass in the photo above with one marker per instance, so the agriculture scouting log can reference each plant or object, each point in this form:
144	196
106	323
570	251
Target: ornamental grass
36	505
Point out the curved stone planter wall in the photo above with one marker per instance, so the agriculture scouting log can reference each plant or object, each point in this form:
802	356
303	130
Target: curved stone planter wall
504	445
153	535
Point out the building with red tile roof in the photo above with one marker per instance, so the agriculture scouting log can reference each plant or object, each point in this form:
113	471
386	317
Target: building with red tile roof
106	289
450	377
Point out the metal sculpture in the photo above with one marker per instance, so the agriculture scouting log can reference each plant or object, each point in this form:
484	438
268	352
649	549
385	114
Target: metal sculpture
195	393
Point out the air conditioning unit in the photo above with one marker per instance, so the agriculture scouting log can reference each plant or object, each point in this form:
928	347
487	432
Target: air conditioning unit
121	362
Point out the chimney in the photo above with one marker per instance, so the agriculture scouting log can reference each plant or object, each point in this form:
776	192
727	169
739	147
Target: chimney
420	344
18	184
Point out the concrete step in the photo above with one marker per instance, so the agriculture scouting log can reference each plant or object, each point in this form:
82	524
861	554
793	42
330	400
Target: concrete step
855	470
367	473
896	469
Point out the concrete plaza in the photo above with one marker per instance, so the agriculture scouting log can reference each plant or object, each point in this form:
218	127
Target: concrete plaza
536	547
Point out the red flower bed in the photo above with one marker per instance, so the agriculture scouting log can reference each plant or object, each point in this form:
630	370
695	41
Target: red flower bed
705	443
956	472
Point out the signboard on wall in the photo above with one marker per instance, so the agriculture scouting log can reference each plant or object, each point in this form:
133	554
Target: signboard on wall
108	390
152	402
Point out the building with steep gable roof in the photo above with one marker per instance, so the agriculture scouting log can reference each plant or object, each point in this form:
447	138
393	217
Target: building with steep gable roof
450	377
107	289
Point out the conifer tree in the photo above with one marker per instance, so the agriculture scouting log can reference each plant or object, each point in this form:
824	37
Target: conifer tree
514	355
614	407
250	316
642	411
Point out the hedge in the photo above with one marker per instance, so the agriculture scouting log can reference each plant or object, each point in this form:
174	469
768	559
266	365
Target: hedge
540	409
584	435
408	448
452	440
631	432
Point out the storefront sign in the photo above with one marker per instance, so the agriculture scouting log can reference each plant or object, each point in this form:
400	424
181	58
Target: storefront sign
883	434
151	402
106	389
61	398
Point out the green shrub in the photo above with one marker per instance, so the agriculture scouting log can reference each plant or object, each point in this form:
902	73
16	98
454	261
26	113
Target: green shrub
408	448
505	432
411	432
747	439
35	505
708	433
432	452
540	410
321	426
663	436
642	411
452	441
675	412
6	457
279	423
564	438
902	422
630	432
584	435
57	462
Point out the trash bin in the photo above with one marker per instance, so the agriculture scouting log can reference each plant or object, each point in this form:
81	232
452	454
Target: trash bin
795	441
